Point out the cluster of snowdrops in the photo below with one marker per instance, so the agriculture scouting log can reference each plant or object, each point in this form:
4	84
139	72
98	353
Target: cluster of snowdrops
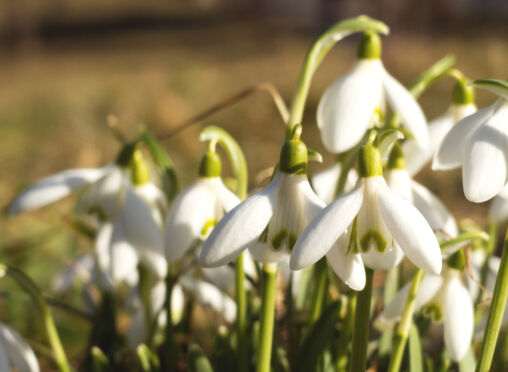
289	270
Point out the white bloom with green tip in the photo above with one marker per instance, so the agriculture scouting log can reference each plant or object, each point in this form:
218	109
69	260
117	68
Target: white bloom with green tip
356	102
479	144
15	352
380	224
444	298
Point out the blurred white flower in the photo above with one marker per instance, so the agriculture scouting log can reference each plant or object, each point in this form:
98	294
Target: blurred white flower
416	156
498	211
479	144
444	298
324	183
15	352
381	225
356	101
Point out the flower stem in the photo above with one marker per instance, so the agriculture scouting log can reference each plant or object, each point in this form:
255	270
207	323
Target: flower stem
319	292
241	314
170	348
361	325
269	286
405	323
496	312
51	332
345	335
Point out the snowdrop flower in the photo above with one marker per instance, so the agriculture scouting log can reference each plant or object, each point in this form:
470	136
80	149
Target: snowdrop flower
498	211
380	224
462	106
444	298
478	143
356	101
197	209
15	352
269	222
324	183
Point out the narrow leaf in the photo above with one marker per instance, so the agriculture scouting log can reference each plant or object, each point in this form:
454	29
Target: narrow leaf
415	350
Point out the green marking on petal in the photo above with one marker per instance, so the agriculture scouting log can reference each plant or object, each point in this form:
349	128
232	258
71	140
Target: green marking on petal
278	239
292	241
99	213
263	238
375	236
209	225
352	246
434	312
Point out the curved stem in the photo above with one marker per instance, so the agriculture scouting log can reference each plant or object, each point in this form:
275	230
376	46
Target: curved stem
405	323
51	332
361	325
269	286
496	312
261	87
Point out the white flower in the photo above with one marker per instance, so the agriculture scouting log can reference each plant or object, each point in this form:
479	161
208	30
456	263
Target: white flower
479	143
325	182
269	222
416	156
194	213
498	211
15	352
356	101
445	299
380	224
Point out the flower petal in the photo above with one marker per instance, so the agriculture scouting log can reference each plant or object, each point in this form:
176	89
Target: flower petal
417	157
434	211
319	236
404	104
383	260
19	353
347	107
191	210
155	199
348	267
484	172
123	256
241	227
453	147
55	187
410	230
393	311
228	200
458	319
498	211
324	183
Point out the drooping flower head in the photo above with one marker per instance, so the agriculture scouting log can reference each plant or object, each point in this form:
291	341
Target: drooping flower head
479	144
370	220
356	101
15	352
269	222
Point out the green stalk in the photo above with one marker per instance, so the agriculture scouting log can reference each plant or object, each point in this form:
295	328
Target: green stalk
496	312
170	347
51	332
241	314
405	323
361	325
319	290
269	286
317	52
345	335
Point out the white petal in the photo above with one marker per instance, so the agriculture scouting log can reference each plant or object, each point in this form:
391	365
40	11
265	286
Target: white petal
325	182
383	260
348	267
434	211
453	147
498	211
207	294
347	107
143	233
459	112
102	246
241	227
399	182
417	157
458	319
228	199
191	210
4	361
319	236
393	311
484	171
155	199
81	270
222	277
55	187
404	104
411	231
123	256
20	354
177	304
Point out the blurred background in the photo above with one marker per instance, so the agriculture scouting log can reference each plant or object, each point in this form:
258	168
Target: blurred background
65	65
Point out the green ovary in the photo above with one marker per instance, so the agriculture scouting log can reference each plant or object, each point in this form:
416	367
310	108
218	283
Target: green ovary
434	312
372	236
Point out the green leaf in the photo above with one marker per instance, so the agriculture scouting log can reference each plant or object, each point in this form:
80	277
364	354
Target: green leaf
197	360
234	154
100	360
149	361
390	289
468	363
499	87
415	350
318	339
163	163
